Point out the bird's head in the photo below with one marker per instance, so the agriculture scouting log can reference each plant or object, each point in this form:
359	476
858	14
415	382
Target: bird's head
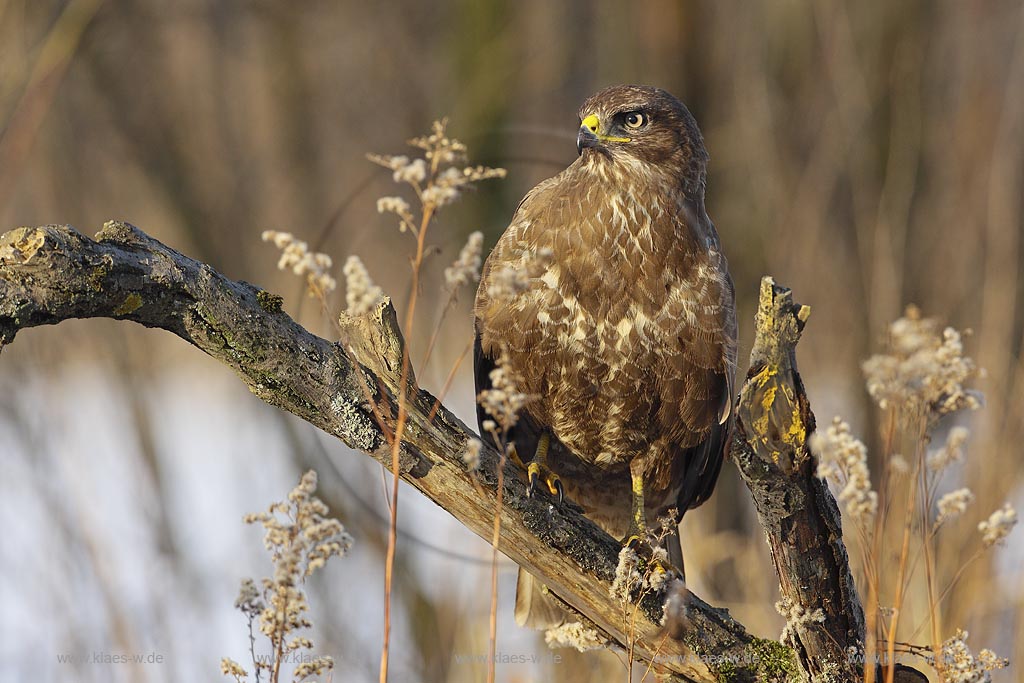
644	124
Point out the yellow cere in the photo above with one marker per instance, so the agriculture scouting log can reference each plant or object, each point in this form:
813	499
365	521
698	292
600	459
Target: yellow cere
593	124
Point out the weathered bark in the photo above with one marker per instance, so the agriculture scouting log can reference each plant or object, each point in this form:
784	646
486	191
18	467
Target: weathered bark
53	273
794	506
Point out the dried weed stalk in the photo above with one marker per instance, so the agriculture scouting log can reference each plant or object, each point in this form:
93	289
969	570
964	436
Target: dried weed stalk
301	538
437	175
918	381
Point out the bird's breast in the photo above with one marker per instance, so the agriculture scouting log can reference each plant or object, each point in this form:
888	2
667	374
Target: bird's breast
594	332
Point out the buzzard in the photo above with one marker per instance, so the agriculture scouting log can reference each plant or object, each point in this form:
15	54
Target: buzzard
623	326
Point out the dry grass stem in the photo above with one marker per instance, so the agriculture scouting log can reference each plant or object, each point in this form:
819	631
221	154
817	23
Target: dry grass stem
301	539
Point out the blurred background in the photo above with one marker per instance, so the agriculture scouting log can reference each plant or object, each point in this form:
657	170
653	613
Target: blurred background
868	155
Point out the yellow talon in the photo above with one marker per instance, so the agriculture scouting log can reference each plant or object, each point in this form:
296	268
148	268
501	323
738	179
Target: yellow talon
554	484
538	470
533	469
634	542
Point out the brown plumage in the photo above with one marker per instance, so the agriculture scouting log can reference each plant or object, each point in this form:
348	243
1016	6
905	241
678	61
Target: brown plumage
625	331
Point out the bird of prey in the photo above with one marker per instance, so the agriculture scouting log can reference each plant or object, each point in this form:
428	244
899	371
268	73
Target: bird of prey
623	328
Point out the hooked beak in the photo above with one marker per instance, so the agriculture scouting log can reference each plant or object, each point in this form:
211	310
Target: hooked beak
590	135
584	139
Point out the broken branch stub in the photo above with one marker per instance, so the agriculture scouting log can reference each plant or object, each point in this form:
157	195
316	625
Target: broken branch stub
794	506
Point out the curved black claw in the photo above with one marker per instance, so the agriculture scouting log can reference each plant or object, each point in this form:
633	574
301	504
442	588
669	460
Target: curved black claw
637	544
538	472
534	476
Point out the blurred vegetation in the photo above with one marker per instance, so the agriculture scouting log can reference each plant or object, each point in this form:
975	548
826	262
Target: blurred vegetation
868	155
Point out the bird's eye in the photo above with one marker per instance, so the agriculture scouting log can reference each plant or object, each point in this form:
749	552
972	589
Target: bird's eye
635	119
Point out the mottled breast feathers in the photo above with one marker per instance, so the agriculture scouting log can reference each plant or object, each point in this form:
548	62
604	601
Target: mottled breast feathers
625	331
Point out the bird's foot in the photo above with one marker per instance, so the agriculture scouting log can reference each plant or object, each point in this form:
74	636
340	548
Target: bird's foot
655	557
539	472
639	543
638	537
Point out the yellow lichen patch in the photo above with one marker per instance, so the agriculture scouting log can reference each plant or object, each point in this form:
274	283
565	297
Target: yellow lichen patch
766	373
796	434
24	244
776	420
131	303
764	398
789	425
767	401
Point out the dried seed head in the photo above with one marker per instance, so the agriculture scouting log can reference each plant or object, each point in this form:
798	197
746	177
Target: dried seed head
998	525
361	294
952	451
953	504
627	575
957	664
471	456
575	635
503	400
436	177
466	268
300	540
843	458
924	371
297	257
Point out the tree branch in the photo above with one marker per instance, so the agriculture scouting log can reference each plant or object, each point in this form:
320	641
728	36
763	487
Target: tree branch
53	273
794	506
